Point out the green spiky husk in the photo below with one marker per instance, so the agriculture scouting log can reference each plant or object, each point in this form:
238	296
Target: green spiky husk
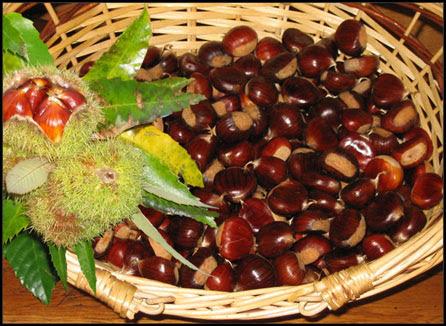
25	136
76	204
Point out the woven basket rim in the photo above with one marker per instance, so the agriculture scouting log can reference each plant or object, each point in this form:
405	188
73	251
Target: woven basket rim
133	294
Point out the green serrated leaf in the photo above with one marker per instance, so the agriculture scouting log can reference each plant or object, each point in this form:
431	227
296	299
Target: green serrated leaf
125	57
14	219
167	150
201	215
36	51
31	263
144	225
139	102
12	41
59	262
85	255
12	62
160	181
173	83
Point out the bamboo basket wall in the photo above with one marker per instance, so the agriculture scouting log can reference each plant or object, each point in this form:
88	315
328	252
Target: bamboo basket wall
185	26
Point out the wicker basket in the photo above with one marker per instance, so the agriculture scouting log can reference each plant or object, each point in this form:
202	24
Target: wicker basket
89	32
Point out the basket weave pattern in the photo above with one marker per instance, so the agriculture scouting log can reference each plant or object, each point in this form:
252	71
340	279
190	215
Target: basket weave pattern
186	26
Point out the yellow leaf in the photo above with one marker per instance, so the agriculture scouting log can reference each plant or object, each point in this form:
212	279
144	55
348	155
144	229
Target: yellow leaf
167	150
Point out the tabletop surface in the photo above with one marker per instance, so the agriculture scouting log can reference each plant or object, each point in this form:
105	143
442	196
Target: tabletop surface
417	301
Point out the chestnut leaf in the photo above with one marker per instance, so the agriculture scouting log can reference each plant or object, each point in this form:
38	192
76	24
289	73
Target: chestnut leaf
199	214
137	103
125	56
27	175
160	181
31	263
59	262
14	219
144	225
85	255
159	144
23	39
12	62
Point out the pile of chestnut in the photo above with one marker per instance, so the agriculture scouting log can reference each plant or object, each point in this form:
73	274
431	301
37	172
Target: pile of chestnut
313	164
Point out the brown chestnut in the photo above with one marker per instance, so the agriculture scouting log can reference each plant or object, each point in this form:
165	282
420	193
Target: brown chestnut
279	147
387	90
236	155
311	247
388	172
196	279
199	117
240	41
351	37
322	200
287	198
300	91
358	120
295	40
311	220
376	245
319	135
234	238
336	82
362	66
328	108
359	146
213	54
180	132
274	239
384	211
261	91
152	57
256	212
267	48
249	65
159	269
411	223
280	67
190	63
117	252
383	141
347	229
289	269
226	104
285	120
200	85
228	80
340	164
221	278
338	260
234	127
301	161
401	117
136	252
313	60
427	190
269	171
235	184
412	152
358	193
202	149
317	180
254	272
187	232
85	68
